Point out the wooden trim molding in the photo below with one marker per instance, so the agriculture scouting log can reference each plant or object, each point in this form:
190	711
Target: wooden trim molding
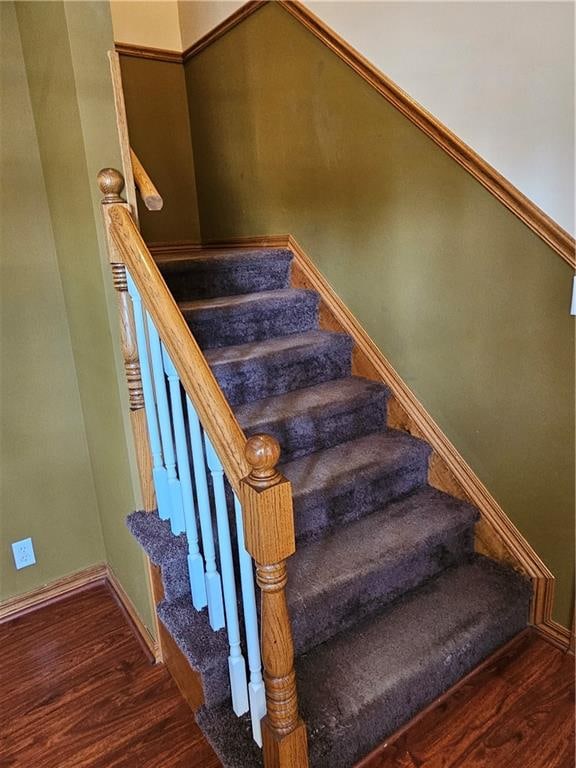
533	216
496	535
74	583
180	57
149	644
221	29
50	593
145	52
527	211
557	635
122	128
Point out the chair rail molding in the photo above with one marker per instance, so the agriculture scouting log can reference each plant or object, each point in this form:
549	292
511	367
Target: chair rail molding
557	238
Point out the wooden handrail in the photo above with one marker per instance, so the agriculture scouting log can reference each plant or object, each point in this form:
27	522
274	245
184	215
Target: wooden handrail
127	248
249	465
148	192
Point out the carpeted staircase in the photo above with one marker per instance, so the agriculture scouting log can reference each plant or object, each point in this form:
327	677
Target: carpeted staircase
390	606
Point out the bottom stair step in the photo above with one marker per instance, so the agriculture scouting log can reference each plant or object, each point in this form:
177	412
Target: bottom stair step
364	684
335	582
206	650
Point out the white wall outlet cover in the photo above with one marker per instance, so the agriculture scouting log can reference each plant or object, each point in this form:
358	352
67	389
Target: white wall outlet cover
23	552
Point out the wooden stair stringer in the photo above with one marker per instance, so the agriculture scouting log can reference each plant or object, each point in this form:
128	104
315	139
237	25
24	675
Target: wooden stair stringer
496	534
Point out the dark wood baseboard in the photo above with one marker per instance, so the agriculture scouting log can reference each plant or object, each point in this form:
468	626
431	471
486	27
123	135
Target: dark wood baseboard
50	593
73	584
149	644
556	635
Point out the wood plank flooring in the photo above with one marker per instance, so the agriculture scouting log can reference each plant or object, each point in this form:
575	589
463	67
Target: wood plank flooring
517	712
77	691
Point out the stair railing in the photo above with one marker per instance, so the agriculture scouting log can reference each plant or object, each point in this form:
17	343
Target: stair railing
148	192
188	443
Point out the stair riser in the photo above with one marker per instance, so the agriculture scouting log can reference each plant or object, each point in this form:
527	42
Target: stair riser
215	679
265	377
255	322
175	579
317	513
333	611
366	730
310	432
188	282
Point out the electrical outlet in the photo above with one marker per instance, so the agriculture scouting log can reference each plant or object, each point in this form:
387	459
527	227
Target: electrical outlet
23	552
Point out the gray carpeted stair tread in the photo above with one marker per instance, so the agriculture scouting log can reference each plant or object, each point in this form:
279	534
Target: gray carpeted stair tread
341	578
389	604
309	419
206	650
226	272
228	320
164	549
262	369
201	306
155	536
365	684
340	484
360	687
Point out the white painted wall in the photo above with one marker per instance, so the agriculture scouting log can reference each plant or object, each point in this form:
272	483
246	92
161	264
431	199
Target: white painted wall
197	17
150	23
500	75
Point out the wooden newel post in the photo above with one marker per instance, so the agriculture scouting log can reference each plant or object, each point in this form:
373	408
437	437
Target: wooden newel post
111	184
269	534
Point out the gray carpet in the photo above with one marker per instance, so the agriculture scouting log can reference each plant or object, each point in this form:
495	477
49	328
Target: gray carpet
389	604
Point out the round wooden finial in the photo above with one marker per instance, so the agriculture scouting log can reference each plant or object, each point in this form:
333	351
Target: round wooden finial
262	453
111	184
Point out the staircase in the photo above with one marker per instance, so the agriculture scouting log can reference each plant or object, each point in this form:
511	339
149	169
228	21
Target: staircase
389	604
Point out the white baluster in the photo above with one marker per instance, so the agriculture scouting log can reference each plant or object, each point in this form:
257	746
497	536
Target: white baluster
176	512
195	561
213	583
159	474
236	663
256	691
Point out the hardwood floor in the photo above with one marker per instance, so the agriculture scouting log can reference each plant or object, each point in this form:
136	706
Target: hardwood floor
517	712
77	691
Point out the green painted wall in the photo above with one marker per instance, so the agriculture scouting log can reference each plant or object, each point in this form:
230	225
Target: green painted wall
71	128
47	489
468	304
157	110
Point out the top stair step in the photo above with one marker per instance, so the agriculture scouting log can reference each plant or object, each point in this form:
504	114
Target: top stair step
208	274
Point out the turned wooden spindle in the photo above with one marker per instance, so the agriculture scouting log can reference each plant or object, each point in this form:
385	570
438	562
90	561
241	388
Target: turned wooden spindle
269	533
111	184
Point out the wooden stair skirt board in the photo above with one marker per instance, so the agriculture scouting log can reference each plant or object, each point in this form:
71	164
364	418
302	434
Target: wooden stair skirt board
496	535
534	217
74	583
